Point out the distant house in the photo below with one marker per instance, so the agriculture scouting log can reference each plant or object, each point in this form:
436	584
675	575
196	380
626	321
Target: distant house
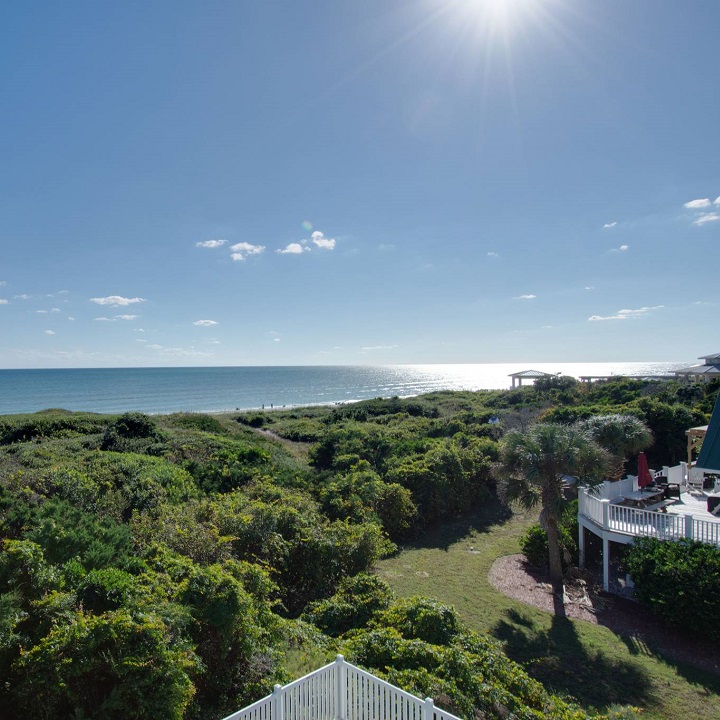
707	370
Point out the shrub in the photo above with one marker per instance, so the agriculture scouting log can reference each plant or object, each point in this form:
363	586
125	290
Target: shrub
356	602
678	581
421	618
198	421
533	542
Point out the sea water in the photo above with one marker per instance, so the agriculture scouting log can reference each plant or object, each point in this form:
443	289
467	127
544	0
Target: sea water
222	389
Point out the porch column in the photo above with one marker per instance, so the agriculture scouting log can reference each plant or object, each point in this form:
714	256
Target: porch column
606	564
688	526
581	545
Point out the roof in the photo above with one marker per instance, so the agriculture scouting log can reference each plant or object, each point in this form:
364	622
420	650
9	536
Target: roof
709	457
714	356
530	374
699	370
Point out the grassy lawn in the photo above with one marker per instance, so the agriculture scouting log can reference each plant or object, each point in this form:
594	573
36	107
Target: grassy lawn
573	658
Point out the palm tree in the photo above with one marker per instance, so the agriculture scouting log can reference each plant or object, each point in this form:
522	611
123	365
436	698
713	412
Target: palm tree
532	467
621	435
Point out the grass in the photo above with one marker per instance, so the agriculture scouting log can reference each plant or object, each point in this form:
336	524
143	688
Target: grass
589	663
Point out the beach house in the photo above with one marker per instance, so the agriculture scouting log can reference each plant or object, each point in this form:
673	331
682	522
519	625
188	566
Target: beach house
674	502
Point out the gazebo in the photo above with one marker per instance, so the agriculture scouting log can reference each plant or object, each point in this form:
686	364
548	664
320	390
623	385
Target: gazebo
518	377
707	370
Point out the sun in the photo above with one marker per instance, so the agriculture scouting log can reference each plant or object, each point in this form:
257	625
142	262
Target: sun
504	16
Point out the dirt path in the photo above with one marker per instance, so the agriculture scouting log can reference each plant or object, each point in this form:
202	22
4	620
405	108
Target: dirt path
514	577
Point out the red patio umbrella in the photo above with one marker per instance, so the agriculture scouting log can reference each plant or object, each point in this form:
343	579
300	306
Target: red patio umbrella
644	476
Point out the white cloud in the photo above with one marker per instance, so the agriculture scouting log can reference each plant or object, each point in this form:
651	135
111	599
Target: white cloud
70	318
210	243
205	323
242	250
115	300
370	348
41	312
3	301
622	248
707	218
607	226
322	242
696	204
525	297
22	297
589	287
4	282
293	249
117	317
717	200
626	314
276	339
493	254
49	332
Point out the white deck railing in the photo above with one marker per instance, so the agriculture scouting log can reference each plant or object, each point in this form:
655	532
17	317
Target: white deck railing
341	691
645	523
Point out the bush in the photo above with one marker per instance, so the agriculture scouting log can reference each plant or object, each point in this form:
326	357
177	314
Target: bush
356	602
198	421
533	542
421	618
678	581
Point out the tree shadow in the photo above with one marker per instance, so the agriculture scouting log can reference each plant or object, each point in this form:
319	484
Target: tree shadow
443	535
558	659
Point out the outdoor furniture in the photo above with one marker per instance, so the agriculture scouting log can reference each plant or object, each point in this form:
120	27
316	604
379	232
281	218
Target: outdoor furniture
662	505
713	502
672	490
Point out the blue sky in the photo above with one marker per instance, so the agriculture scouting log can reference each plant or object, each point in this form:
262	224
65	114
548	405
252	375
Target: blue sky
276	183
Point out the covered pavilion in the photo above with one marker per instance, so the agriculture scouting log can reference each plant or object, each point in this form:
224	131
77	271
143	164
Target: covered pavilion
518	377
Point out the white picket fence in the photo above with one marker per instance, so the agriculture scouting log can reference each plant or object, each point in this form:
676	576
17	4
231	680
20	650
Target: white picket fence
341	691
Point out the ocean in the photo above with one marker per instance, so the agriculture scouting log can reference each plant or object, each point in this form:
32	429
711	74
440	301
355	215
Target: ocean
225	389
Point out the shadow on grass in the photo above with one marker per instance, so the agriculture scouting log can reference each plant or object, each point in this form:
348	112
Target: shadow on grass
559	660
480	520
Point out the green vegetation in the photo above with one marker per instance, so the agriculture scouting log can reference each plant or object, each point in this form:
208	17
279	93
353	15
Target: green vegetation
534	463
679	582
178	566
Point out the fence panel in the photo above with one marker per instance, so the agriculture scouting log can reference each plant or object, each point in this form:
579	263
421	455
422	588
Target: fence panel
339	691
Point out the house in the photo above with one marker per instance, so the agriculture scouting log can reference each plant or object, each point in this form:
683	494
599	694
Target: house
618	512
707	370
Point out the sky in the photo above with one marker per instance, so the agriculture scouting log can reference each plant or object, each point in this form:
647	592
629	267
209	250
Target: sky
233	182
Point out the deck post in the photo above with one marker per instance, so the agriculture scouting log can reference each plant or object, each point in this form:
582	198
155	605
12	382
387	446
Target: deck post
277	704
688	526
606	564
581	545
605	513
428	709
340	694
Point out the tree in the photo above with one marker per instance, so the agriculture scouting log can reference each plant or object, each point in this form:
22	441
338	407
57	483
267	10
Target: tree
531	471
621	435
